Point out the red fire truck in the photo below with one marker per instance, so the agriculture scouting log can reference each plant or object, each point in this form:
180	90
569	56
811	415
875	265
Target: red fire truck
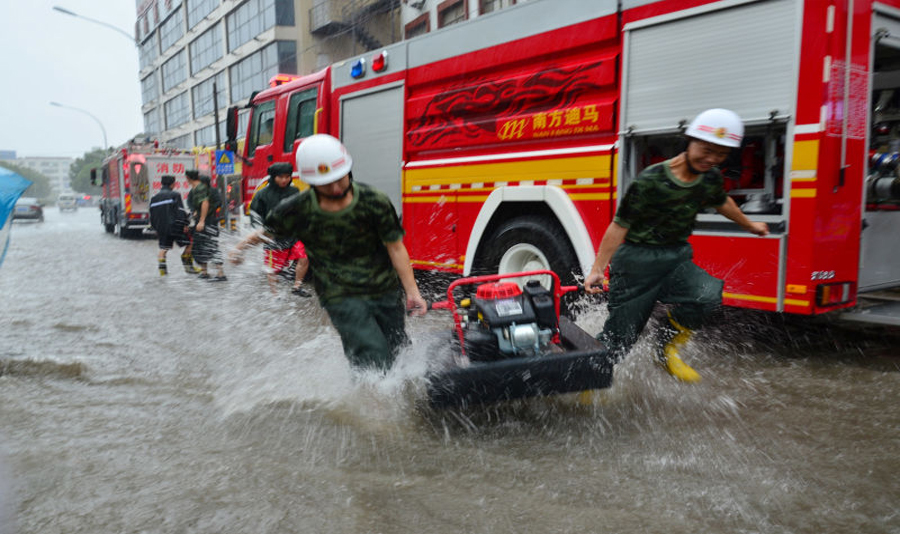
130	177
506	141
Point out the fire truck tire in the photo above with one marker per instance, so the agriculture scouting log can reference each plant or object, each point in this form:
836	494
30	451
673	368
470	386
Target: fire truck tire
120	231
527	244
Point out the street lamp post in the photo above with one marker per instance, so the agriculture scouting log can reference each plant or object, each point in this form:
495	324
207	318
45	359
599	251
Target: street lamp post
100	22
130	37
102	129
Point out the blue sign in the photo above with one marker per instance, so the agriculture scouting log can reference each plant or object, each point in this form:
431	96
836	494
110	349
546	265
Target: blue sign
224	162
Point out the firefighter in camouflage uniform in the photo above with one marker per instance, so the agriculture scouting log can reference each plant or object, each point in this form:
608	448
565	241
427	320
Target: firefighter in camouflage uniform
204	202
279	253
360	267
646	246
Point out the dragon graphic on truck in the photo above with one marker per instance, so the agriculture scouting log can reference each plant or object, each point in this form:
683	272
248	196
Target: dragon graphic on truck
551	103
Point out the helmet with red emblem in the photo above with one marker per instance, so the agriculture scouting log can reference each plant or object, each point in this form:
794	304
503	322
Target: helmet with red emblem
322	159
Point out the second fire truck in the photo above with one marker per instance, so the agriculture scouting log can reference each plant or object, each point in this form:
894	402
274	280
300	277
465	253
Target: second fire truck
130	177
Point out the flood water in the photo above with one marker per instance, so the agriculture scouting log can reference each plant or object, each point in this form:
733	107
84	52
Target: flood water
131	403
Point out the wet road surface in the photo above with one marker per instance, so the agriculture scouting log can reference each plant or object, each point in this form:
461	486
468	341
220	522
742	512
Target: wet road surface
131	403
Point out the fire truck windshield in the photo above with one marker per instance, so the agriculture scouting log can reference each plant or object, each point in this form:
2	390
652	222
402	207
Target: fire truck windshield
262	126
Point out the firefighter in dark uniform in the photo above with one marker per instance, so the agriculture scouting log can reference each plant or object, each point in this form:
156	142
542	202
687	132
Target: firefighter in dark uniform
169	219
279	252
360	267
646	246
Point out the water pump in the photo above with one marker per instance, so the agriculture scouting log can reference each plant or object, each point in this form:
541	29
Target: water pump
503	320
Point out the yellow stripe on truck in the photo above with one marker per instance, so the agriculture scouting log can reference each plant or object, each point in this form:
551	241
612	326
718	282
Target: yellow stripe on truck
569	168
806	156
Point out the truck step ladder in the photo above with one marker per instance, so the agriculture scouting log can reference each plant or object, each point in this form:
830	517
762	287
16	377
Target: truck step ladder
880	307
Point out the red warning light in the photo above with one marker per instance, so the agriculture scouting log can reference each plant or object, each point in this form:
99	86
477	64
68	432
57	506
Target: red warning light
379	62
281	79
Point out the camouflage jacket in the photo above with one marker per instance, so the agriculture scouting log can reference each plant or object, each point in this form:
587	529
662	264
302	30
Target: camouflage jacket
660	209
346	249
195	199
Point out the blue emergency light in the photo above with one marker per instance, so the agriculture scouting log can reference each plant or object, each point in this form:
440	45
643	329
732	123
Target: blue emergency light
358	69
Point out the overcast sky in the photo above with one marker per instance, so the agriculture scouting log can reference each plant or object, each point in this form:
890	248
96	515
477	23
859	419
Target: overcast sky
48	56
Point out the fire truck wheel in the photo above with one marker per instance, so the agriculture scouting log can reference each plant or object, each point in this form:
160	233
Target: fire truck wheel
528	244
120	230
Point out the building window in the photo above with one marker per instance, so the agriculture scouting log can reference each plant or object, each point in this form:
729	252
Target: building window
149	89
249	20
183	142
197	10
139	32
489	6
253	73
171	30
287	57
149	51
206	49
206	136
419	26
284	12
178	111
451	12
174	71
202	95
151	122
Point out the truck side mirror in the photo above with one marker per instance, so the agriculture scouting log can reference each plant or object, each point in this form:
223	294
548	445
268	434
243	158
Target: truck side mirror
231	126
93	176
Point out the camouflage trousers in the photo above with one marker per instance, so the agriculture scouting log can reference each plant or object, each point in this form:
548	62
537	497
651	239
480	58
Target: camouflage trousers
372	329
641	276
206	246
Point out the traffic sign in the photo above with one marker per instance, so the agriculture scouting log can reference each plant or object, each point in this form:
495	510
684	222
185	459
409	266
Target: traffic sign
224	162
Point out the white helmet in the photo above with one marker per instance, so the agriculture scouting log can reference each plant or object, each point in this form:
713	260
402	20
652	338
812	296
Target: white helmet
322	159
717	126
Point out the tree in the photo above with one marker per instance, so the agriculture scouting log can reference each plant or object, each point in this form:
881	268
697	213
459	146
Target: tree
40	186
80	172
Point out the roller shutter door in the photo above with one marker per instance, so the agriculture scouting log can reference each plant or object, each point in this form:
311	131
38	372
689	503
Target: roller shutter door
742	56
372	131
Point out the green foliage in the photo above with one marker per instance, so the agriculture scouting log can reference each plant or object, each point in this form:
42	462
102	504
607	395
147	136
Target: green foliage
40	186
80	172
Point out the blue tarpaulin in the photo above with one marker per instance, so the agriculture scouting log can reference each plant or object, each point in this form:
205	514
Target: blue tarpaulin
11	188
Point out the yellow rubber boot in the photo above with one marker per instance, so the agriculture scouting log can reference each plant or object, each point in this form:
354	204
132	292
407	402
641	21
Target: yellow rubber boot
669	358
585	398
187	260
162	267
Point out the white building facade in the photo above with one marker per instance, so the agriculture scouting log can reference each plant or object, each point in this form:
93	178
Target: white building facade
423	16
55	169
191	50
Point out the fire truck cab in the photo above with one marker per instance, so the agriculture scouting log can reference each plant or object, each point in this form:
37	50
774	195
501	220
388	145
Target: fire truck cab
507	141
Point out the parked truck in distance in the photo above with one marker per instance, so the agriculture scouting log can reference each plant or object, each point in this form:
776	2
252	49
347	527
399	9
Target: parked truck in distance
130	177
